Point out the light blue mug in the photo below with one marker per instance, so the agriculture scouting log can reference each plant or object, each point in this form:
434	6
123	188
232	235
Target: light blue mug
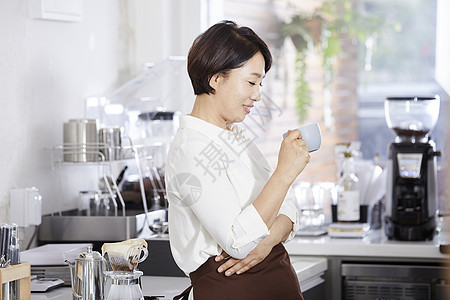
311	135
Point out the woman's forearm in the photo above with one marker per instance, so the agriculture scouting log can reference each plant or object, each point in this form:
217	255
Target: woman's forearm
280	230
271	198
292	159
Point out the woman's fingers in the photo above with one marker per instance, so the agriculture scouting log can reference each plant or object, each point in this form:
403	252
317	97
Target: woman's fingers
232	265
293	156
221	256
228	264
237	267
248	267
243	265
294	134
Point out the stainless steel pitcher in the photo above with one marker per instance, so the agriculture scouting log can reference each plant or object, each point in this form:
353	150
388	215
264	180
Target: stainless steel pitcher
86	273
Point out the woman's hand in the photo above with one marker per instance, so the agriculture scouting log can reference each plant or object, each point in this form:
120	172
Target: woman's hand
239	266
279	232
293	155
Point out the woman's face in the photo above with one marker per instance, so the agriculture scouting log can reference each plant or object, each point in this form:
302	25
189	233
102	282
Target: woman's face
239	89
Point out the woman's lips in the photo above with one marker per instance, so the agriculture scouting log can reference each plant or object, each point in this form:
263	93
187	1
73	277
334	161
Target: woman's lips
247	108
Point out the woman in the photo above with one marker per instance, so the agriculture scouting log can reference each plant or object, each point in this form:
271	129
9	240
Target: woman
224	199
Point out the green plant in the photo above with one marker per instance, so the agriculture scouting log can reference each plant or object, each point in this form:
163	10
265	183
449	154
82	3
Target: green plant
302	91
321	31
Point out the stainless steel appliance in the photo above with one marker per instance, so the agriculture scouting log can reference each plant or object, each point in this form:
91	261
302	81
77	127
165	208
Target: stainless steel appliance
392	281
411	194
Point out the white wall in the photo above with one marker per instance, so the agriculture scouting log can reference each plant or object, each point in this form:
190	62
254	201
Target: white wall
48	68
165	28
443	45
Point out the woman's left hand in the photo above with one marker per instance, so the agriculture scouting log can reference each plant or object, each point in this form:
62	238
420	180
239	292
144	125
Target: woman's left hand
239	266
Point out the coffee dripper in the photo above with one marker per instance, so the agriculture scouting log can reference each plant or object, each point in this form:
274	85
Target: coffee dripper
124	258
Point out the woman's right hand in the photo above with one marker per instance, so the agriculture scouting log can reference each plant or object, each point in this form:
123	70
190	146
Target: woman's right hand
293	156
233	265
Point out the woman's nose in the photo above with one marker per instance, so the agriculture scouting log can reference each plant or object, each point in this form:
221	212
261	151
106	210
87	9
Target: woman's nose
256	96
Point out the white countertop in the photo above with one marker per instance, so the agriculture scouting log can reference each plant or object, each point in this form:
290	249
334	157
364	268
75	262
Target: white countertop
309	270
151	286
373	245
308	256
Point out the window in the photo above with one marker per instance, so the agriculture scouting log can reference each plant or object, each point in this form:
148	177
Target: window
398	61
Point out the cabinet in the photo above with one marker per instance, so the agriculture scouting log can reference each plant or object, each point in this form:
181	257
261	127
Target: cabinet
345	255
310	272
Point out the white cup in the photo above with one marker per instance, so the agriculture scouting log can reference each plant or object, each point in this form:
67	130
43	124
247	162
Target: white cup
311	135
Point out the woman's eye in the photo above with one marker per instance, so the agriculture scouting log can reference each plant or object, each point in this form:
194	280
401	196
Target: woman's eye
253	83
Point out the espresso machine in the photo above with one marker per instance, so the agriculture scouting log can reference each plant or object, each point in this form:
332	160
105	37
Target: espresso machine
411	193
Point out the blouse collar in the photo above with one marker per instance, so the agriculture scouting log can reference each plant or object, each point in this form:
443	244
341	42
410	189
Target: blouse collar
213	132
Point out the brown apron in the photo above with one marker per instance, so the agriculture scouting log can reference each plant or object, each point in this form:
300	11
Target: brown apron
272	279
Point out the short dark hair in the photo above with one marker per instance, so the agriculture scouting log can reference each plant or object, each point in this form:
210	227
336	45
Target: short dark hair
221	48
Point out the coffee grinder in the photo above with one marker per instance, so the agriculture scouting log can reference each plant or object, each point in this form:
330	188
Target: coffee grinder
411	193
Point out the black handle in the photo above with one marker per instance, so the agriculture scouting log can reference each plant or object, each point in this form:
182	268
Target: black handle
121	174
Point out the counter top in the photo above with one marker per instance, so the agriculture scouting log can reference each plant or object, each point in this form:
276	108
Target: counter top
375	244
151	286
309	271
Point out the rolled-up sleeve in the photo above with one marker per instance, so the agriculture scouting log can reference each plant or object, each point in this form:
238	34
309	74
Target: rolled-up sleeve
249	227
237	230
289	209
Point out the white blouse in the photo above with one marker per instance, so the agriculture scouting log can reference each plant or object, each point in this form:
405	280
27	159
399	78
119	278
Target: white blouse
212	178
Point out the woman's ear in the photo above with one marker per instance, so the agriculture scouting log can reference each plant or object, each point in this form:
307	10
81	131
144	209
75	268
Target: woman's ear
214	81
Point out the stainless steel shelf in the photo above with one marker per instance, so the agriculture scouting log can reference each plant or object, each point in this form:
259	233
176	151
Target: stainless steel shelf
65	228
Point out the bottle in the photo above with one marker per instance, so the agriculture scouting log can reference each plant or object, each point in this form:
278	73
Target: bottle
348	191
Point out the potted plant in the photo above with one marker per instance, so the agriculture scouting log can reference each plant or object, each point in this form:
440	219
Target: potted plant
321	31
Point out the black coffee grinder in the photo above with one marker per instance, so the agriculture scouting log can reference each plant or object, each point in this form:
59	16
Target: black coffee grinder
411	194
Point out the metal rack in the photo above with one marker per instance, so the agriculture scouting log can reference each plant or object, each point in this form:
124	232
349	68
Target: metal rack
89	154
124	223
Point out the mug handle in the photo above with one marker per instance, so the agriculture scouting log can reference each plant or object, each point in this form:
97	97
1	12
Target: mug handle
145	251
142	249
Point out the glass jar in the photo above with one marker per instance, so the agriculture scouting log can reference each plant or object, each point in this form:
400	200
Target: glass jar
125	286
348	192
